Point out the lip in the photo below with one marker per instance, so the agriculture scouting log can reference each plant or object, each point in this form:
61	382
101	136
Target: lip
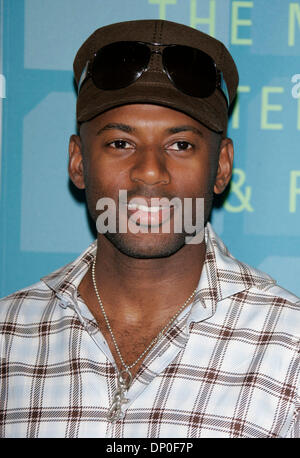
153	217
143	212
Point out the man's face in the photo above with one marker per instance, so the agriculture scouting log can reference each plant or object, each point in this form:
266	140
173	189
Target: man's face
151	152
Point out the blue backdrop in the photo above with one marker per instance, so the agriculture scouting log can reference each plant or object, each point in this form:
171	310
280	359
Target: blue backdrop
43	226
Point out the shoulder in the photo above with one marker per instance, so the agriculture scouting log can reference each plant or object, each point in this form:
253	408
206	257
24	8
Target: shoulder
36	291
265	290
270	311
26	304
261	301
30	303
271	302
279	294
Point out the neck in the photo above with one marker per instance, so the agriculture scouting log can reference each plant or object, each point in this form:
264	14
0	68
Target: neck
143	288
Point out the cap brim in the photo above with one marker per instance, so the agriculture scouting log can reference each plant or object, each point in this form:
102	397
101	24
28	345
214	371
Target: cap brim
210	111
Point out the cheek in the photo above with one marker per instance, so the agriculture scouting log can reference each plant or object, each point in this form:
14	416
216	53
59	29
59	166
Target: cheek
103	177
207	172
197	181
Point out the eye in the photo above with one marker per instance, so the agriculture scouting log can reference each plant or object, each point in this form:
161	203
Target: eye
180	146
120	144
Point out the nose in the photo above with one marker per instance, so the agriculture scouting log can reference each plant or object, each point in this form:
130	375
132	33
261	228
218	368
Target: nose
150	168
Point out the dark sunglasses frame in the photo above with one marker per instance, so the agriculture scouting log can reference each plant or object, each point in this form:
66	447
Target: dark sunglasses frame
220	84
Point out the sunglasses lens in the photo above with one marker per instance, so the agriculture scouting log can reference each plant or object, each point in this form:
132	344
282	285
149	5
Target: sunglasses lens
120	64
191	70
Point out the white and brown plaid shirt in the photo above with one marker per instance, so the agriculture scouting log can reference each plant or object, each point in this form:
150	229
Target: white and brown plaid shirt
228	367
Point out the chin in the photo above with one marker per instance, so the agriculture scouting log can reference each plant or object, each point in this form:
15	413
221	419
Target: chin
147	246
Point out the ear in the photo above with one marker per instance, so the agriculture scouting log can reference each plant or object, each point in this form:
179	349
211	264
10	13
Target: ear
76	162
225	165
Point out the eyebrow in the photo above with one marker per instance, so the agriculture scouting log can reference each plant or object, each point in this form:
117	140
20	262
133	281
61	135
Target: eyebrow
129	129
116	125
186	128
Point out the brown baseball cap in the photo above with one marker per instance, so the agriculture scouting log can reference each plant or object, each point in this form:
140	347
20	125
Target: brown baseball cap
154	86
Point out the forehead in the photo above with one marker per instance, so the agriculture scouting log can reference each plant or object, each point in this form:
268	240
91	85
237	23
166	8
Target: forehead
144	116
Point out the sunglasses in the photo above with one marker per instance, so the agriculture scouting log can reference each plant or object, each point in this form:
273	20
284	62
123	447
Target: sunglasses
120	64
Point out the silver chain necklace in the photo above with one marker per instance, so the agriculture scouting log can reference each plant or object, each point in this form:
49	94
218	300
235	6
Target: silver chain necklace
124	377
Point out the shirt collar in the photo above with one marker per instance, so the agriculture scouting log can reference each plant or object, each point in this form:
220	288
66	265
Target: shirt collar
222	276
66	280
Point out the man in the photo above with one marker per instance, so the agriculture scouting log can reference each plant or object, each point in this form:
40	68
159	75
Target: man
153	331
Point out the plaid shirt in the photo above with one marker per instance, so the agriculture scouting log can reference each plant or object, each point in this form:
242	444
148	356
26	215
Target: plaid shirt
228	367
